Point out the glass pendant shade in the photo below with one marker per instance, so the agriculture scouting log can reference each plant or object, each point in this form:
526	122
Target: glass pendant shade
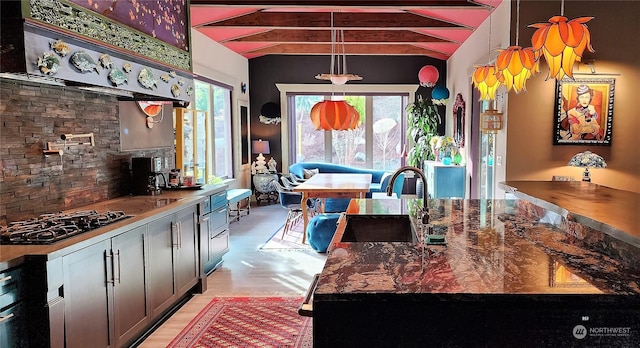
562	43
515	65
428	76
440	95
334	115
486	81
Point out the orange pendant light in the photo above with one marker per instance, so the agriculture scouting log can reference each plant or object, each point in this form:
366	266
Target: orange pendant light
485	79
334	115
562	42
515	65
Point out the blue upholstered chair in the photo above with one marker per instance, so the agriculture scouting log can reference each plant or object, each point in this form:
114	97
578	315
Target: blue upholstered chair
320	231
397	185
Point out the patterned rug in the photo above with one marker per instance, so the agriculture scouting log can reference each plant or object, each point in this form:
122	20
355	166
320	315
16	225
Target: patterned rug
292	241
248	322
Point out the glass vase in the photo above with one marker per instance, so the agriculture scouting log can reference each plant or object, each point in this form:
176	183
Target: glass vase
457	158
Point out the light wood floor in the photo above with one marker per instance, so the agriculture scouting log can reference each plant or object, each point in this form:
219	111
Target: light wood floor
246	271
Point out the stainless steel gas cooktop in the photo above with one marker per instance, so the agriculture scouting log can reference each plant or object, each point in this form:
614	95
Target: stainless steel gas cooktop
50	228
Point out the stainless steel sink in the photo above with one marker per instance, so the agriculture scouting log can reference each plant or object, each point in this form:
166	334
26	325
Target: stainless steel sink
379	228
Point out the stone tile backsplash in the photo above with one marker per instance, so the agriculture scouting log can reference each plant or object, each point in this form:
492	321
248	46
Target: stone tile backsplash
32	183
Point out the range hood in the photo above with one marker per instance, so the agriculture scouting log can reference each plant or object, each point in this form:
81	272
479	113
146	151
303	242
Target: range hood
39	52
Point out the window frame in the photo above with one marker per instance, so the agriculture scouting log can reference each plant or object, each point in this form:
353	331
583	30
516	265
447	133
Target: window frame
228	125
287	90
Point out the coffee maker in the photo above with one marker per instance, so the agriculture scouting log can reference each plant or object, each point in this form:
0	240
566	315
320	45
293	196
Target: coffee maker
145	175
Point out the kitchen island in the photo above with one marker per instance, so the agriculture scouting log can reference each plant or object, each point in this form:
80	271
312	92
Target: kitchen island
509	275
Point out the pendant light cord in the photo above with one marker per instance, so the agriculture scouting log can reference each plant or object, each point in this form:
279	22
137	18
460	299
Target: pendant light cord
490	12
518	23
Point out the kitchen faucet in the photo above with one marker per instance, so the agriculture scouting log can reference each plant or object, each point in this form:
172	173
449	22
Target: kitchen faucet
425	208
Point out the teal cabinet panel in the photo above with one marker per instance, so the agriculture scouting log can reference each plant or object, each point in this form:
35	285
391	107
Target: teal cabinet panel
445	181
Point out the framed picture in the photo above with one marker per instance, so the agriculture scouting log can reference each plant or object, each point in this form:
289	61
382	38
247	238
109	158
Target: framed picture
584	111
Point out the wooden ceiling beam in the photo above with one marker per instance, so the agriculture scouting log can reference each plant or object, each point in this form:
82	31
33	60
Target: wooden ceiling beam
342	3
342	20
353	36
353	49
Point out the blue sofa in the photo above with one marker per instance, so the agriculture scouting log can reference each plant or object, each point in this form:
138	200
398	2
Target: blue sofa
379	180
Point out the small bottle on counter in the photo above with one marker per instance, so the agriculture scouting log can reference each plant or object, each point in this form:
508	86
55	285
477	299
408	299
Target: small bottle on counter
174	178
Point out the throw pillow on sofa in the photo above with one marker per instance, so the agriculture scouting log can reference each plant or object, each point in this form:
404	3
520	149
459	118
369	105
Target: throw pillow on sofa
310	172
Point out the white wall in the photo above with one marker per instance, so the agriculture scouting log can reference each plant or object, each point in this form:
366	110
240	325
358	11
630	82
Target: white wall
475	51
216	62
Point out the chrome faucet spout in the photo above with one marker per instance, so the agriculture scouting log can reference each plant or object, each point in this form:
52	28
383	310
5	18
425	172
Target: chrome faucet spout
425	194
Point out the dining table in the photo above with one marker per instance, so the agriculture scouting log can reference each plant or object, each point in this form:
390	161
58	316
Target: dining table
331	185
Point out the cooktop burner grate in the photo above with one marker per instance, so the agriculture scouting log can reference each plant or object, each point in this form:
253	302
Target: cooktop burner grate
50	228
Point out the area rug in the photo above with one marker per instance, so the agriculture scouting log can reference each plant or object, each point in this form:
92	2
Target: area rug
292	241
248	322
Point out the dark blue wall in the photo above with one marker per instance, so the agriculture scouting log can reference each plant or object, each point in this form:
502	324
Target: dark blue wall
265	72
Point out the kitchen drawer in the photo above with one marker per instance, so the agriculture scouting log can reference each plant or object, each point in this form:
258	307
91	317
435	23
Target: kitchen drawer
219	218
204	207
219	244
13	326
9	278
10	285
218	199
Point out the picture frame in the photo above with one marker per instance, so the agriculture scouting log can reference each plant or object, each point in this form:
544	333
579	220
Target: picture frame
584	111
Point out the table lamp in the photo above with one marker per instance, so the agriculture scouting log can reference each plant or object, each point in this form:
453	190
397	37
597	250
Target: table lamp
260	147
587	160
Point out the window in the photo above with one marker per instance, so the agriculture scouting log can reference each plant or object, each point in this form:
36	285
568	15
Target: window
378	143
213	133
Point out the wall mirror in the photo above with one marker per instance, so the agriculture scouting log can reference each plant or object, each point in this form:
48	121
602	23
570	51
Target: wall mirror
458	120
244	130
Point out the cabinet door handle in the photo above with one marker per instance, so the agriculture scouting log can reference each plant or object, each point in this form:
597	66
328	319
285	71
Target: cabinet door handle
6	317
108	258
118	267
180	235
174	234
5	279
204	219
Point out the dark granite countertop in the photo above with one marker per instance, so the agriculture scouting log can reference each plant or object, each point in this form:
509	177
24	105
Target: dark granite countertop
605	209
142	209
501	247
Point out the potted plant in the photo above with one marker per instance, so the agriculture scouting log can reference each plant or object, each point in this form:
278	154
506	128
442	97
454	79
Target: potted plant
423	119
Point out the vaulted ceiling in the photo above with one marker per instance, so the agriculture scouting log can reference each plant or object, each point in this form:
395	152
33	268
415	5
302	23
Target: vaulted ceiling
254	28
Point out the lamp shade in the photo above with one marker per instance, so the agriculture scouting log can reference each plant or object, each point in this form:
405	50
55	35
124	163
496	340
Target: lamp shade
486	81
260	146
334	115
515	65
440	95
428	76
562	42
587	160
